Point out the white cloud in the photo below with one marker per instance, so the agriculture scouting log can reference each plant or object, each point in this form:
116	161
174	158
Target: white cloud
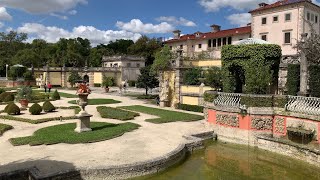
42	6
135	25
59	16
4	15
216	5
53	34
1	24
72	12
241	19
176	21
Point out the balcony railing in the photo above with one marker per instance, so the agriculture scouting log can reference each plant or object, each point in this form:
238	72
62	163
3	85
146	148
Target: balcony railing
307	105
228	100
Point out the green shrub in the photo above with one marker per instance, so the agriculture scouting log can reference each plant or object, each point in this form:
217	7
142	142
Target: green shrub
55	95
24	92
107	81
293	79
188	107
132	83
39	97
2	90
256	101
97	85
314	80
149	96
7	107
48	107
191	76
280	101
35	109
213	78
9	98
209	97
13	109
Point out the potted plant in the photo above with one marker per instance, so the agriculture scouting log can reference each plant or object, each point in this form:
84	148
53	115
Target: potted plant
106	82
83	92
24	96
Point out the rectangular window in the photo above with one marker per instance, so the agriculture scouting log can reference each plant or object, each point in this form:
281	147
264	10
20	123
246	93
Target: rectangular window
316	19
287	37
214	43
264	37
288	17
209	43
308	16
264	20
229	40
275	18
224	41
199	46
312	17
219	42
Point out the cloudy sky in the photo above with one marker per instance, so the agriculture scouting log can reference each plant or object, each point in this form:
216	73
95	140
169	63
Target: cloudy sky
104	20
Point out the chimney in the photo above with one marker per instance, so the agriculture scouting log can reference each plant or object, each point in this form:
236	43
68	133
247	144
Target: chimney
215	28
249	24
176	34
262	4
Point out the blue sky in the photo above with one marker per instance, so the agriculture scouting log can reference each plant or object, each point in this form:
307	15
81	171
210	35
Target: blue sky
103	20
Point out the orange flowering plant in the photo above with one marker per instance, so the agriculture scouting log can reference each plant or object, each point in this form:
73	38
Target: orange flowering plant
83	88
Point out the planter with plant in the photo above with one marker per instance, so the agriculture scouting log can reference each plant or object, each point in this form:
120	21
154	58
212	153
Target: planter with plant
107	82
24	96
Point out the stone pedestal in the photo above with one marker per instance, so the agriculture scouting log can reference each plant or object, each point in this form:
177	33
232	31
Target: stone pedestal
83	122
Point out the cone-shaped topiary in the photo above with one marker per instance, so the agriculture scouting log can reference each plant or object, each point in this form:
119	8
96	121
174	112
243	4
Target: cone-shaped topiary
7	106
55	95
48	107
12	109
35	109
4	95
9	98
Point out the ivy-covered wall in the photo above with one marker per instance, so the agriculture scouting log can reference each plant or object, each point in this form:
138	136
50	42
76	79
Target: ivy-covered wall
314	80
250	68
293	79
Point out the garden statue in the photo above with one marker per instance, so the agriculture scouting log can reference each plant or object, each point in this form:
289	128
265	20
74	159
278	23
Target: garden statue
83	124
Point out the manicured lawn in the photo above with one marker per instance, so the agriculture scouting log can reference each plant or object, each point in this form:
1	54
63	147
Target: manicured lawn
62	94
98	101
65	133
116	113
4	128
165	116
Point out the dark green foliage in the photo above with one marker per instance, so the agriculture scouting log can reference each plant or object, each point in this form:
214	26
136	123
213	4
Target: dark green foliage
55	95
13	109
188	107
255	66
116	113
280	101
165	116
132	83
16	72
209	96
48	107
4	95
2	90
107	81
28	76
191	76
7	106
213	78
147	79
74	78
65	133
35	109
162	60
257	101
314	80
97	85
24	92
37	96
9	98
293	79
147	96
4	128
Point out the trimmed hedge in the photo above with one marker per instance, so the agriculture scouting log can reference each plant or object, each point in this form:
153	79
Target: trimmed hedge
48	107
188	107
255	101
293	79
132	83
314	80
97	84
35	109
9	98
55	95
12	109
209	97
4	128
4	95
116	113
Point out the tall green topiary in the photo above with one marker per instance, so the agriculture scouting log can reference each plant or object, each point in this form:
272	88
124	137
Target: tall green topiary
7	107
314	80
13	109
9	98
55	95
4	95
48	107
293	79
35	109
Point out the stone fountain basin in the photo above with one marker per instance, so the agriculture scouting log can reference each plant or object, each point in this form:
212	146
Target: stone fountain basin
299	135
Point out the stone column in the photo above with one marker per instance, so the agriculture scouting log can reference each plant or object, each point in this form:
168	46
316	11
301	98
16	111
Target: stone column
178	81
47	69
64	78
303	69
201	92
91	79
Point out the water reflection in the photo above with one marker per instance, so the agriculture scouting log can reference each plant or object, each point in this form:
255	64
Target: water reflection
234	162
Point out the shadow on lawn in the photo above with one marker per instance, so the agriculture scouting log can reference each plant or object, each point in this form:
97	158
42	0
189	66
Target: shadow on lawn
105	126
39	169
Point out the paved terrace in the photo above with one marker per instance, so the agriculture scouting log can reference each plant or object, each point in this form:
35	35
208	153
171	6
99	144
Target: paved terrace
148	142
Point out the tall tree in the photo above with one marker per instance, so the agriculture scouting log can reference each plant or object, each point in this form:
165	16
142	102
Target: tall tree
120	46
147	79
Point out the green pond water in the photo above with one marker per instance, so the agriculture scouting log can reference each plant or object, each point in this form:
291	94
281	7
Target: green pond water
221	161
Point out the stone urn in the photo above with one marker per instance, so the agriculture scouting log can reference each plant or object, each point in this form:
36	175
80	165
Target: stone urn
24	103
299	135
83	123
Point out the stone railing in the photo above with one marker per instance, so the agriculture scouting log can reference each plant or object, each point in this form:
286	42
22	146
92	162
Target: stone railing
231	100
306	105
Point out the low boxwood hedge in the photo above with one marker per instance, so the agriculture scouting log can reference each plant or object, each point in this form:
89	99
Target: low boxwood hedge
188	107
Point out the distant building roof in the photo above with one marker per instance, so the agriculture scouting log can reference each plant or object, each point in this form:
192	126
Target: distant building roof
278	4
210	35
252	41
122	58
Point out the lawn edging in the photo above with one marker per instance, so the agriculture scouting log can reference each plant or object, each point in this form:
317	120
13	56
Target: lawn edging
4	128
116	113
